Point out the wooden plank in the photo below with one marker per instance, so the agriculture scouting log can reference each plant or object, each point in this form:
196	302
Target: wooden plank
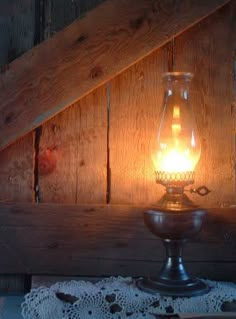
17	22
215	271
60	13
16	171
233	105
48	281
101	240
73	153
16	163
207	51
103	268
135	103
73	145
16	29
132	178
75	61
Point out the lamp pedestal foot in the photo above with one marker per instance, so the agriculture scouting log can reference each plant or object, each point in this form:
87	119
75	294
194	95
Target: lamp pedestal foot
174	229
188	288
173	279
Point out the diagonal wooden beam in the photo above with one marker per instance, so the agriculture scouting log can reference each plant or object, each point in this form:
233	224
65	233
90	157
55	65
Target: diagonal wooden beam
109	39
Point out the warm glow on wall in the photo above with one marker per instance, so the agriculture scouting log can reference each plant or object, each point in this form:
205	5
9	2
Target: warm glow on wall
178	147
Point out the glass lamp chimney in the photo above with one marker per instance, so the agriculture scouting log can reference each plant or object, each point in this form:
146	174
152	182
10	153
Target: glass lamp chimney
178	145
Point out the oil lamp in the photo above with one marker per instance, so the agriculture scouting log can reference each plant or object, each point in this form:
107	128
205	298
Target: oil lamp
176	218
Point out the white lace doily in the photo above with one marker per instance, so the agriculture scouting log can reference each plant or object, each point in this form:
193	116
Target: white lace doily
118	298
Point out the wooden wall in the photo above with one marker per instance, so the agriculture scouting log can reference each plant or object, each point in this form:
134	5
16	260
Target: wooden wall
23	24
17	35
72	147
98	150
206	50
104	140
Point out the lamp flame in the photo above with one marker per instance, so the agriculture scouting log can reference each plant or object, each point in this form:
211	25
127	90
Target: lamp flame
174	160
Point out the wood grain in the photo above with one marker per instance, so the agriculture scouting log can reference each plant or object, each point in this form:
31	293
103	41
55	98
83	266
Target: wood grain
16	29
135	103
16	171
83	56
73	153
102	240
207	50
16	162
73	145
17	35
60	13
48	281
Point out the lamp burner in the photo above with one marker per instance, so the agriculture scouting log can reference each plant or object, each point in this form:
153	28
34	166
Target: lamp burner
175	178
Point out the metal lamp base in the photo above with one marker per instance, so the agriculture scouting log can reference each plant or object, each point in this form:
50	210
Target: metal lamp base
188	288
175	220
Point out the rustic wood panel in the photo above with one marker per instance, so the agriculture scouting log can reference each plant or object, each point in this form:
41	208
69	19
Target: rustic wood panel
233	105
60	13
75	61
207	50
16	162
17	35
102	240
73	153
135	102
73	145
48	281
16	29
16	171
198	269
